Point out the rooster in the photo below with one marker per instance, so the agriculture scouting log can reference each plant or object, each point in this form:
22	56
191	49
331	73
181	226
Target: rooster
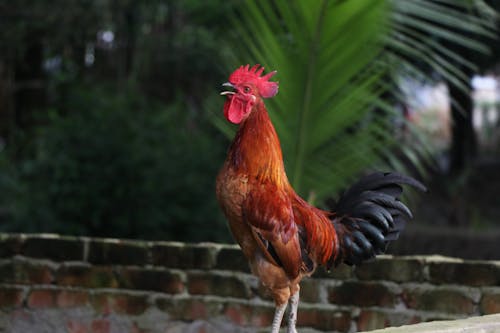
283	237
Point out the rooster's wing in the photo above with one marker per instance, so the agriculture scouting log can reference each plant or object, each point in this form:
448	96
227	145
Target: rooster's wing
268	210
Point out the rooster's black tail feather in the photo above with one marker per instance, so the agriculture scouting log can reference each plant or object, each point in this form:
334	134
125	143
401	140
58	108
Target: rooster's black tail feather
369	215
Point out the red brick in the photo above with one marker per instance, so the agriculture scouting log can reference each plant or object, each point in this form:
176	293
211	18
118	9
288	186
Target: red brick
162	280
174	255
239	314
25	272
324	319
100	326
76	326
362	294
215	284
248	314
262	316
196	309
372	320
341	272
490	302
310	290
72	298
199	284
232	259
445	300
122	303
117	252
42	298
391	269
86	276
189	309
11	297
199	308
376	319
40	274
466	273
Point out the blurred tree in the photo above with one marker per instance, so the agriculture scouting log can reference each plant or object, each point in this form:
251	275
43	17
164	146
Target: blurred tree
124	168
35	39
115	143
163	46
85	153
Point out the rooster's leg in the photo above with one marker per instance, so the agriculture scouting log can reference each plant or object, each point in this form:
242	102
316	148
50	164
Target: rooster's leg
292	318
278	317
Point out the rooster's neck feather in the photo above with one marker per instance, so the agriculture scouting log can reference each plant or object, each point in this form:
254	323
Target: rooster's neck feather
256	149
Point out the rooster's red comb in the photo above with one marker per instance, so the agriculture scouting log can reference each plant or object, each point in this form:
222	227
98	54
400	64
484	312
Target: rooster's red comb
252	75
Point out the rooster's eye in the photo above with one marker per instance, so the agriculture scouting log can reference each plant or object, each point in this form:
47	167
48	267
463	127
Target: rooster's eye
246	89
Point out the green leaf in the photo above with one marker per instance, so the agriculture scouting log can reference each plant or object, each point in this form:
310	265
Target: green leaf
337	61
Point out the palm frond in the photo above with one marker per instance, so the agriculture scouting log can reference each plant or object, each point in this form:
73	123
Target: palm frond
334	59
429	31
310	44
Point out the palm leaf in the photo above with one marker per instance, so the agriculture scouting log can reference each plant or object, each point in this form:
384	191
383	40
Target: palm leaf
333	60
422	31
310	43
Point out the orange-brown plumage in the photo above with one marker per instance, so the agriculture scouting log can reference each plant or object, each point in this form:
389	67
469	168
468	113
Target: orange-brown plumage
270	204
283	237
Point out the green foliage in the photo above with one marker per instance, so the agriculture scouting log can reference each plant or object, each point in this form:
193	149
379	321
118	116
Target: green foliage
118	166
338	63
87	152
444	38
180	47
108	163
325	53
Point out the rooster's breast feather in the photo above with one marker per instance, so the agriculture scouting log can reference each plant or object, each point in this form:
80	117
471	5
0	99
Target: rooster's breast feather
268	210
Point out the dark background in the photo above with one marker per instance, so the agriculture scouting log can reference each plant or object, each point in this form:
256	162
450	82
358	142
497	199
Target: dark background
104	128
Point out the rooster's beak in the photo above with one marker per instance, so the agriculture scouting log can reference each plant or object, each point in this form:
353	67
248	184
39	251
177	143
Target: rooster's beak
227	84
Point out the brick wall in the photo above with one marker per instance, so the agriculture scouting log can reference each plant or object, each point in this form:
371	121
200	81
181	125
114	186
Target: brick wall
449	241
52	284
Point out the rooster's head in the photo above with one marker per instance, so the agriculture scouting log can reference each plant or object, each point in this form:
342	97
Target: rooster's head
248	87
